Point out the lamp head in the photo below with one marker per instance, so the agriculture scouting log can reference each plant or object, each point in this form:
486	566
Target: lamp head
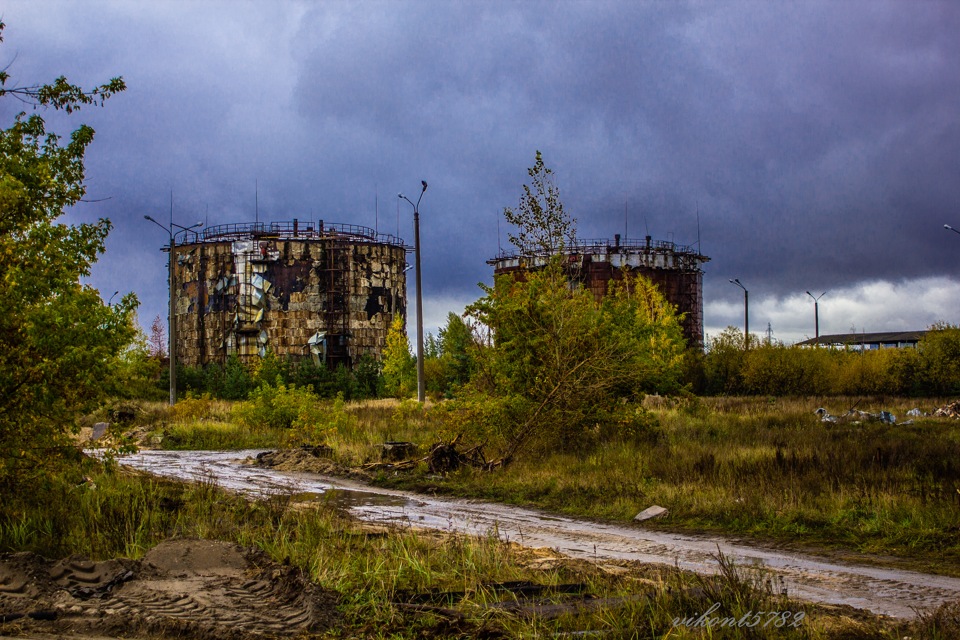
946	226
149	218
424	183
400	195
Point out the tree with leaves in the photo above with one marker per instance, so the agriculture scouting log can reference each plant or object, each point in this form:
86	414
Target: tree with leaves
58	340
560	360
399	365
542	226
565	360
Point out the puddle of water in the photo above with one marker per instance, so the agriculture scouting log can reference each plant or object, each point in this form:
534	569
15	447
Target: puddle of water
886	591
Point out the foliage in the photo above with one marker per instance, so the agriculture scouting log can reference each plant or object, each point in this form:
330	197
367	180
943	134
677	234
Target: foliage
542	225
135	371
280	407
367	373
235	380
939	356
570	359
774	369
399	366
449	358
457	351
58	339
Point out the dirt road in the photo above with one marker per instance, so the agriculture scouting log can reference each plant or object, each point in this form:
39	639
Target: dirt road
886	591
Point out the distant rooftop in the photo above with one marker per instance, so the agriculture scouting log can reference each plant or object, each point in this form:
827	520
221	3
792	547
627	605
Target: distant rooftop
883	340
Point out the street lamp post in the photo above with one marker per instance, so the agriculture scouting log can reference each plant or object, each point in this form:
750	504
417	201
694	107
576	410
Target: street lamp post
421	390
816	314
746	312
949	228
172	318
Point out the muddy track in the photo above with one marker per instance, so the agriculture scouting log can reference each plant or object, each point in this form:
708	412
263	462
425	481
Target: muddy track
199	589
885	591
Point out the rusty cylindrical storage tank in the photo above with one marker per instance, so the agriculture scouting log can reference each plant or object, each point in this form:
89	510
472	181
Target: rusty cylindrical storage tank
297	289
673	268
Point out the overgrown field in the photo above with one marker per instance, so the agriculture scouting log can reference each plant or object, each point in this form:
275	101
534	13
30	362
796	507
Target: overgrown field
406	583
762	467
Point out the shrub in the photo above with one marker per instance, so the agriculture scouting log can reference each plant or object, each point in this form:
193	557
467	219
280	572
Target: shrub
279	407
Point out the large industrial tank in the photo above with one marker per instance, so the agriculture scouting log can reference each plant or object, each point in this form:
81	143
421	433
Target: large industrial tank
675	269
325	291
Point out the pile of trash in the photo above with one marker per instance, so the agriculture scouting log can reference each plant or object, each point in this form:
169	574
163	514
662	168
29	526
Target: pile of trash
855	416
950	410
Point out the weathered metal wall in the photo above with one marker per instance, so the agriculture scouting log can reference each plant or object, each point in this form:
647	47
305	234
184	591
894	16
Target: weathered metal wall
674	269
331	297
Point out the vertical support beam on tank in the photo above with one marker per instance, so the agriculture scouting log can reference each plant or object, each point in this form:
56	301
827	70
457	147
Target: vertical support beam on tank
202	302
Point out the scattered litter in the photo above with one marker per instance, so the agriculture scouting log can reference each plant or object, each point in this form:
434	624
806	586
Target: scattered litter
916	413
949	410
99	429
855	416
650	513
824	416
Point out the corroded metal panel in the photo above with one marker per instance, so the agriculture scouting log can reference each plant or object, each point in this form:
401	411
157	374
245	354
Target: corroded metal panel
246	291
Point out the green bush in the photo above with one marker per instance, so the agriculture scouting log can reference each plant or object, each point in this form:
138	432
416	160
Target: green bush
280	407
933	369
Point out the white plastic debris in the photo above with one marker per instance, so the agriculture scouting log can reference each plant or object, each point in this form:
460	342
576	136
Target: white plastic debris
651	513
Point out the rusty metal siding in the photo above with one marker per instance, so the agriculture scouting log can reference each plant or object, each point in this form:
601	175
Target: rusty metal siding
247	292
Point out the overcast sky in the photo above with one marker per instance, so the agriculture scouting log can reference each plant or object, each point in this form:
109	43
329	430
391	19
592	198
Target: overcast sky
819	141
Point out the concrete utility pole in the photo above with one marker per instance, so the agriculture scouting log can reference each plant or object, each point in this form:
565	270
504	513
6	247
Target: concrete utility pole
421	390
816	314
172	318
746	312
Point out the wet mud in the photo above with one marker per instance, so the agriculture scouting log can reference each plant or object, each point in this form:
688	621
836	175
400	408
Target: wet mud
891	592
200	589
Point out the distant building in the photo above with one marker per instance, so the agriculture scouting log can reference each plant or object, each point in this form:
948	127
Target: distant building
673	268
867	341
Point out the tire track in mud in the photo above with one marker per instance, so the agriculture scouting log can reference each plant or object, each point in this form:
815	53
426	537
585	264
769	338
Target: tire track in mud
892	592
199	589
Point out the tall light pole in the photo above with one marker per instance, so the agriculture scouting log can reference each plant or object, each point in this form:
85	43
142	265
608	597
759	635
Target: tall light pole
421	390
746	312
172	318
816	314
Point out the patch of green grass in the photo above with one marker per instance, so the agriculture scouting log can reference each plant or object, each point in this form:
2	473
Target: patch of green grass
214	435
405	582
763	467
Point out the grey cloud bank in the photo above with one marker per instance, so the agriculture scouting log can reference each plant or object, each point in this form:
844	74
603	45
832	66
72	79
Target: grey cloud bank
820	142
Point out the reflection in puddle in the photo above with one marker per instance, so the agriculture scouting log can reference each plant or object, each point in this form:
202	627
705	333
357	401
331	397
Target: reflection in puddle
886	591
351	499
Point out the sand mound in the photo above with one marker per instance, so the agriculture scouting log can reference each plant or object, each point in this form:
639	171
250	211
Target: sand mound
182	588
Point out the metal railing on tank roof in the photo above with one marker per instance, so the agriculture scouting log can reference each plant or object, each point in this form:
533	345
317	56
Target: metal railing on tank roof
603	245
289	230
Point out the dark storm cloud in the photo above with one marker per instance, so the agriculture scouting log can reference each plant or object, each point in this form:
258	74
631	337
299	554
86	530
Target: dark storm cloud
819	141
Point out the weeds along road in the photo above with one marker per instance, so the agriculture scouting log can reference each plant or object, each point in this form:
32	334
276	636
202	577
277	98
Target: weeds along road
891	592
